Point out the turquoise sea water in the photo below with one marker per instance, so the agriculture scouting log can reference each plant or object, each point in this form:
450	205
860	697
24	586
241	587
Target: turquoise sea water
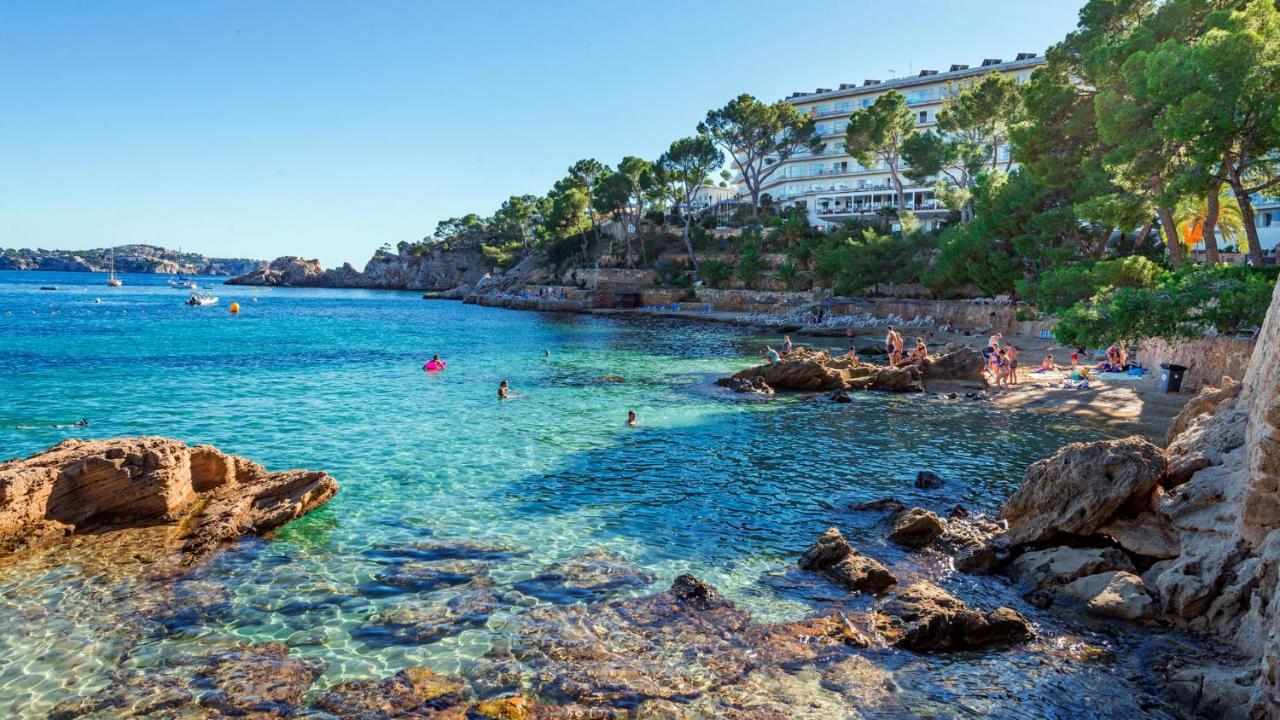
332	379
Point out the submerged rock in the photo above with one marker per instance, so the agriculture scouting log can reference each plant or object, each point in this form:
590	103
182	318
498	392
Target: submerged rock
832	556
925	618
407	693
205	496
1081	487
619	659
926	480
591	576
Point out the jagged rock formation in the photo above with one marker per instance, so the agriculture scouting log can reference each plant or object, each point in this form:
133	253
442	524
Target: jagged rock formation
817	371
128	258
437	270
203	495
1193	530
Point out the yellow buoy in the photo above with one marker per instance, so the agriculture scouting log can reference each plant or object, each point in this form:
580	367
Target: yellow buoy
235	308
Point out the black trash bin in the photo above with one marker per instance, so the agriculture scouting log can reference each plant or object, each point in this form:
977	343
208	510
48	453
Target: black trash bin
1171	377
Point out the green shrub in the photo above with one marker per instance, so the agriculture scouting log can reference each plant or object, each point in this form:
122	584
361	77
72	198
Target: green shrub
670	273
1058	289
750	266
1184	304
715	274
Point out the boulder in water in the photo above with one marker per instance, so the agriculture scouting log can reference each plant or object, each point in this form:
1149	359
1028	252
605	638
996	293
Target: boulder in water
925	618
204	496
832	556
916	527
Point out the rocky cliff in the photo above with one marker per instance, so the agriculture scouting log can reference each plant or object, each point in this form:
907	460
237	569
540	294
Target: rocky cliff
1187	534
436	270
128	258
199	496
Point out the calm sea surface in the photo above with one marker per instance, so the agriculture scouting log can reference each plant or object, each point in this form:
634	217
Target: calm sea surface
332	379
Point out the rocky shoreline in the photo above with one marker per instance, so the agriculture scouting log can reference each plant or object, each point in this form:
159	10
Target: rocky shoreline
1182	535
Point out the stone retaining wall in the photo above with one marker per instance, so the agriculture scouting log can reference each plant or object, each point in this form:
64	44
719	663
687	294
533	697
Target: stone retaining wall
1207	360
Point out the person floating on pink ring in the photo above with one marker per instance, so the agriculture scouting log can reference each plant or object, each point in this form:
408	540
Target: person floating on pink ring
435	364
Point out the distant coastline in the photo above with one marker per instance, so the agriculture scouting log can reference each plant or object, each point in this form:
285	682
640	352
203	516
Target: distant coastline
151	259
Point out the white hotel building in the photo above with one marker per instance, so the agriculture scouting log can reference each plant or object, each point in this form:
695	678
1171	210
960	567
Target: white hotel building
831	185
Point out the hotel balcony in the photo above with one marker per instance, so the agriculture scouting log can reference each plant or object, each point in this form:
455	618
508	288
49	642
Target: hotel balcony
849	210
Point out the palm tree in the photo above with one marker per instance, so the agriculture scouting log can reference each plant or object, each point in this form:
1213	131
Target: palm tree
1190	215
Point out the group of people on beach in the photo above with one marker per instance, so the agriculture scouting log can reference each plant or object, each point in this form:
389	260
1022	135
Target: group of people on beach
1002	360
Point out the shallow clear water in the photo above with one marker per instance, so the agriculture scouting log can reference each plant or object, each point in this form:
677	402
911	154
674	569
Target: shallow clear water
331	379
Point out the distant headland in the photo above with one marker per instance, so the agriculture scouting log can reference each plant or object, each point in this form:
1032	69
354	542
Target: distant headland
128	259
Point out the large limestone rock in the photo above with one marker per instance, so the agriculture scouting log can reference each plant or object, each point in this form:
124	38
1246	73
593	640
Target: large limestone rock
818	371
1059	566
1261	393
1081	487
207	496
1116	594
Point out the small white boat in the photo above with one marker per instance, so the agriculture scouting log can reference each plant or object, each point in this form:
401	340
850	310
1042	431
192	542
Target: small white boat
200	300
112	280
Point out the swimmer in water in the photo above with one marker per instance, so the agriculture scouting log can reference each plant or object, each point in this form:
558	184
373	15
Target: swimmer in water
504	390
546	354
631	418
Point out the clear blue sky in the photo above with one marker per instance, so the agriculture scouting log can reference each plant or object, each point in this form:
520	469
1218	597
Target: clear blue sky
250	128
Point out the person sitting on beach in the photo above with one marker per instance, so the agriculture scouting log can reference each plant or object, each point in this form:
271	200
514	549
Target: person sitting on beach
1047	365
435	364
504	390
770	354
1122	354
786	344
631	418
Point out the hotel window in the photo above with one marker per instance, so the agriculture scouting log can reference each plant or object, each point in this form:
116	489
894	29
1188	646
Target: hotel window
842	107
924	116
1266	219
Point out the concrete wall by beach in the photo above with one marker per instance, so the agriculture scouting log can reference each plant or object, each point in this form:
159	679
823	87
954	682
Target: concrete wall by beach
1206	360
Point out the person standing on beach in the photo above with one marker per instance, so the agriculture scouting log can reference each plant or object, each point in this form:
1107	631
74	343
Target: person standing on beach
1011	354
893	346
786	344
